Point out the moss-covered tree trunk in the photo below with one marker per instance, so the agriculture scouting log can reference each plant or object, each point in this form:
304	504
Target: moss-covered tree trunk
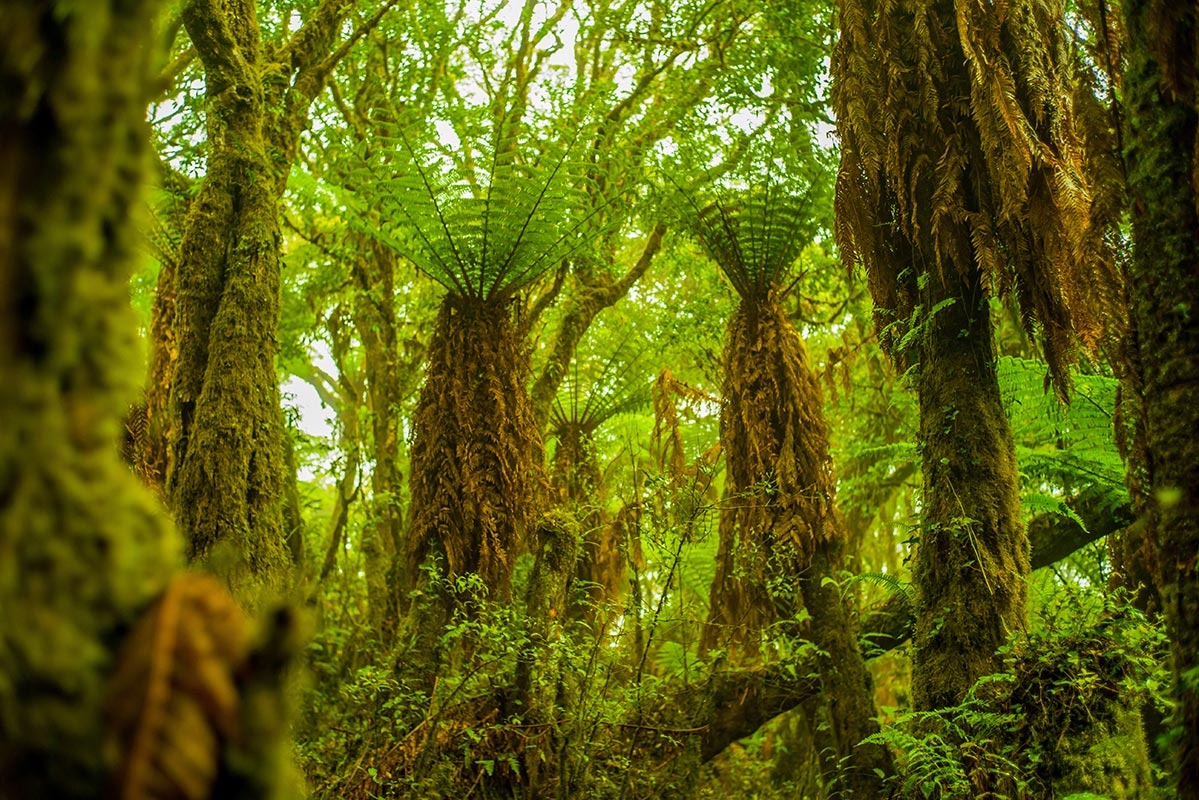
375	320
82	545
228	482
938	242
1163	181
972	559
575	476
788	531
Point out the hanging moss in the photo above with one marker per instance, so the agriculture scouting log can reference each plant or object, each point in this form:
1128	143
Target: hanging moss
477	453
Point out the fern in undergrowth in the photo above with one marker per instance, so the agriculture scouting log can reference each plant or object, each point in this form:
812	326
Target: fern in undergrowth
1063	449
896	587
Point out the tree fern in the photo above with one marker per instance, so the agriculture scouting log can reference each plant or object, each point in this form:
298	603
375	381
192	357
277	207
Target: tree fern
605	379
755	235
483	234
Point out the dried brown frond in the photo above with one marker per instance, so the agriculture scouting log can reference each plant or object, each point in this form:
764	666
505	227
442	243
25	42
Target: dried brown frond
667	395
780	483
173	699
961	151
477	457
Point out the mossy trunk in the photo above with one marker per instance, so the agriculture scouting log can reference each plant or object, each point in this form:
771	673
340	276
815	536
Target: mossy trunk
83	547
788	531
972	560
227	483
477	454
375	320
1162	125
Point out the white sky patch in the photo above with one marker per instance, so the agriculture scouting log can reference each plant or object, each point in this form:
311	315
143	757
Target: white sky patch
314	418
447	135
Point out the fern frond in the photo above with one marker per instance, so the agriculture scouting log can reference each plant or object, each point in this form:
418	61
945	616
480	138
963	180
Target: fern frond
482	235
896	587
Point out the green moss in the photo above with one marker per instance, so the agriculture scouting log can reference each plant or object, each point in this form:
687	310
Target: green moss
972	559
82	547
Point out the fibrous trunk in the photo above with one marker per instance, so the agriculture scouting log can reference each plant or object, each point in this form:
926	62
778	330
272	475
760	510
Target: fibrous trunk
1163	179
972	560
477	454
576	478
780	502
788	532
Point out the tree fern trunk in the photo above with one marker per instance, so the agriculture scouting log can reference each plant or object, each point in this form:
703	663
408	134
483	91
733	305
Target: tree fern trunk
972	560
477	454
785	524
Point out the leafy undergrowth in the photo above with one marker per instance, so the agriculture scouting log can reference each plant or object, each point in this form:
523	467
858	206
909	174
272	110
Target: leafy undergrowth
1063	720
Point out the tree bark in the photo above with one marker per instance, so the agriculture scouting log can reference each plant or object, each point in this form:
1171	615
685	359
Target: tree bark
375	320
228	480
1163	284
972	560
83	547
